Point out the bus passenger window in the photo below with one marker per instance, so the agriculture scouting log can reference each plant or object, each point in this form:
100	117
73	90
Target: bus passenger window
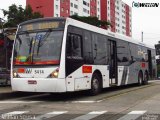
74	47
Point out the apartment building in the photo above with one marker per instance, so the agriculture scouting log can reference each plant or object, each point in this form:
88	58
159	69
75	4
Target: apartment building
115	11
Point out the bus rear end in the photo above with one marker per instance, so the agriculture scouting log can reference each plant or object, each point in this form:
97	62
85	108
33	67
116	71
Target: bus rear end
37	56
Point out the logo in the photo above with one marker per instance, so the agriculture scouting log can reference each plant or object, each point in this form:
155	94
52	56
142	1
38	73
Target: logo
23	70
138	4
28	71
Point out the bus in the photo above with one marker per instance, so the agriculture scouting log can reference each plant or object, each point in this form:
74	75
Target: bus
6	42
56	55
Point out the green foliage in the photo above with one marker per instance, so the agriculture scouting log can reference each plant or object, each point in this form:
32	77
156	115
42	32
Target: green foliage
92	21
16	15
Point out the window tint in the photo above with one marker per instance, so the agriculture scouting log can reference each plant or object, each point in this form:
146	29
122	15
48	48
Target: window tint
87	47
123	53
138	52
144	54
99	46
75	30
74	48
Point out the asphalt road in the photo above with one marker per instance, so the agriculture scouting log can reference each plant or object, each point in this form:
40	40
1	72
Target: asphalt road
121	103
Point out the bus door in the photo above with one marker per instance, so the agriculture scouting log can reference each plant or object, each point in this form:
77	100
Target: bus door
150	63
113	68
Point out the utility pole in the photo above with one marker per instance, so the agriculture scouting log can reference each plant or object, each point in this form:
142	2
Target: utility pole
142	36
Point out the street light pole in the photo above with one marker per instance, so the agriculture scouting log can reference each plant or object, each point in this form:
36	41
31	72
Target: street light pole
142	36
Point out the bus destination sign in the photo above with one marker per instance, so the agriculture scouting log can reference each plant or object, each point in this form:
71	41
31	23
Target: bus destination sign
42	25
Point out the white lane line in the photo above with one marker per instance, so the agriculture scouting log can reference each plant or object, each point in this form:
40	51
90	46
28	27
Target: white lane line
132	115
92	101
10	114
90	115
14	102
87	101
49	115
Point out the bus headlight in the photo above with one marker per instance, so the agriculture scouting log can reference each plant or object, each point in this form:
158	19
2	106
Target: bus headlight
54	74
15	74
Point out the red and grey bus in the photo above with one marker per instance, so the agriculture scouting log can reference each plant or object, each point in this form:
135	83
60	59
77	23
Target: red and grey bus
66	55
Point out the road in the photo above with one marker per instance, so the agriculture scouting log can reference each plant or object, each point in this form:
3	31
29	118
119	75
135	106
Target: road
121	103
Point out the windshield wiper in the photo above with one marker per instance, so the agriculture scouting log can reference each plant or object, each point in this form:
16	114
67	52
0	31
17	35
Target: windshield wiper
30	44
40	43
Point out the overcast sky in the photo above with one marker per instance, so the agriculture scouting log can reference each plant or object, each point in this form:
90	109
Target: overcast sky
143	19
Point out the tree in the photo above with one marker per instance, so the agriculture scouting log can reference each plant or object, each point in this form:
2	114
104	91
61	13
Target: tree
93	21
16	15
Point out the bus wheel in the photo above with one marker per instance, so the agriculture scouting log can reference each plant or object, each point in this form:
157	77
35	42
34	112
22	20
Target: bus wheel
146	78
95	85
140	78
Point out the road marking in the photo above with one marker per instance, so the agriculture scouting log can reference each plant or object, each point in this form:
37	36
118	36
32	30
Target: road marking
132	115
14	102
49	115
90	115
86	101
11	114
91	101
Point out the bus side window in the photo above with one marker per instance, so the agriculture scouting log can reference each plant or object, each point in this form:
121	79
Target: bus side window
123	53
68	45
74	45
87	47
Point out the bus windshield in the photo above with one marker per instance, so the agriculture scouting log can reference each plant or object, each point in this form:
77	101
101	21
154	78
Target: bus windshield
38	47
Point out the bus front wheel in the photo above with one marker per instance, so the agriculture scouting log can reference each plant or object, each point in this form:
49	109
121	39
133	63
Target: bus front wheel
95	85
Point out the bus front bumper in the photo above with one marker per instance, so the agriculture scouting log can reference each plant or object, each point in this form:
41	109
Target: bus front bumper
40	85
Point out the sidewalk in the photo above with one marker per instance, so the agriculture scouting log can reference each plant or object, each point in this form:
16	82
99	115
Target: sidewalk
5	89
6	92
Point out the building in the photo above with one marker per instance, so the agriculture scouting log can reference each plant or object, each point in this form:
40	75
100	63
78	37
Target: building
115	11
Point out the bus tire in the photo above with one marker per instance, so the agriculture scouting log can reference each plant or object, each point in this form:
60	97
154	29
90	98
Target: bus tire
140	78
146	78
95	85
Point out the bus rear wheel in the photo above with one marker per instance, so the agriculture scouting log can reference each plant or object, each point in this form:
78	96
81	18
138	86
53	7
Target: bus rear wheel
95	85
140	78
146	78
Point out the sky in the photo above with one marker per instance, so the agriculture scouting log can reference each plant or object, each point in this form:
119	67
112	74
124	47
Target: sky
143	19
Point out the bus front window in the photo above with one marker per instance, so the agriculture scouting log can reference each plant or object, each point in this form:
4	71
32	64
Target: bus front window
38	47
